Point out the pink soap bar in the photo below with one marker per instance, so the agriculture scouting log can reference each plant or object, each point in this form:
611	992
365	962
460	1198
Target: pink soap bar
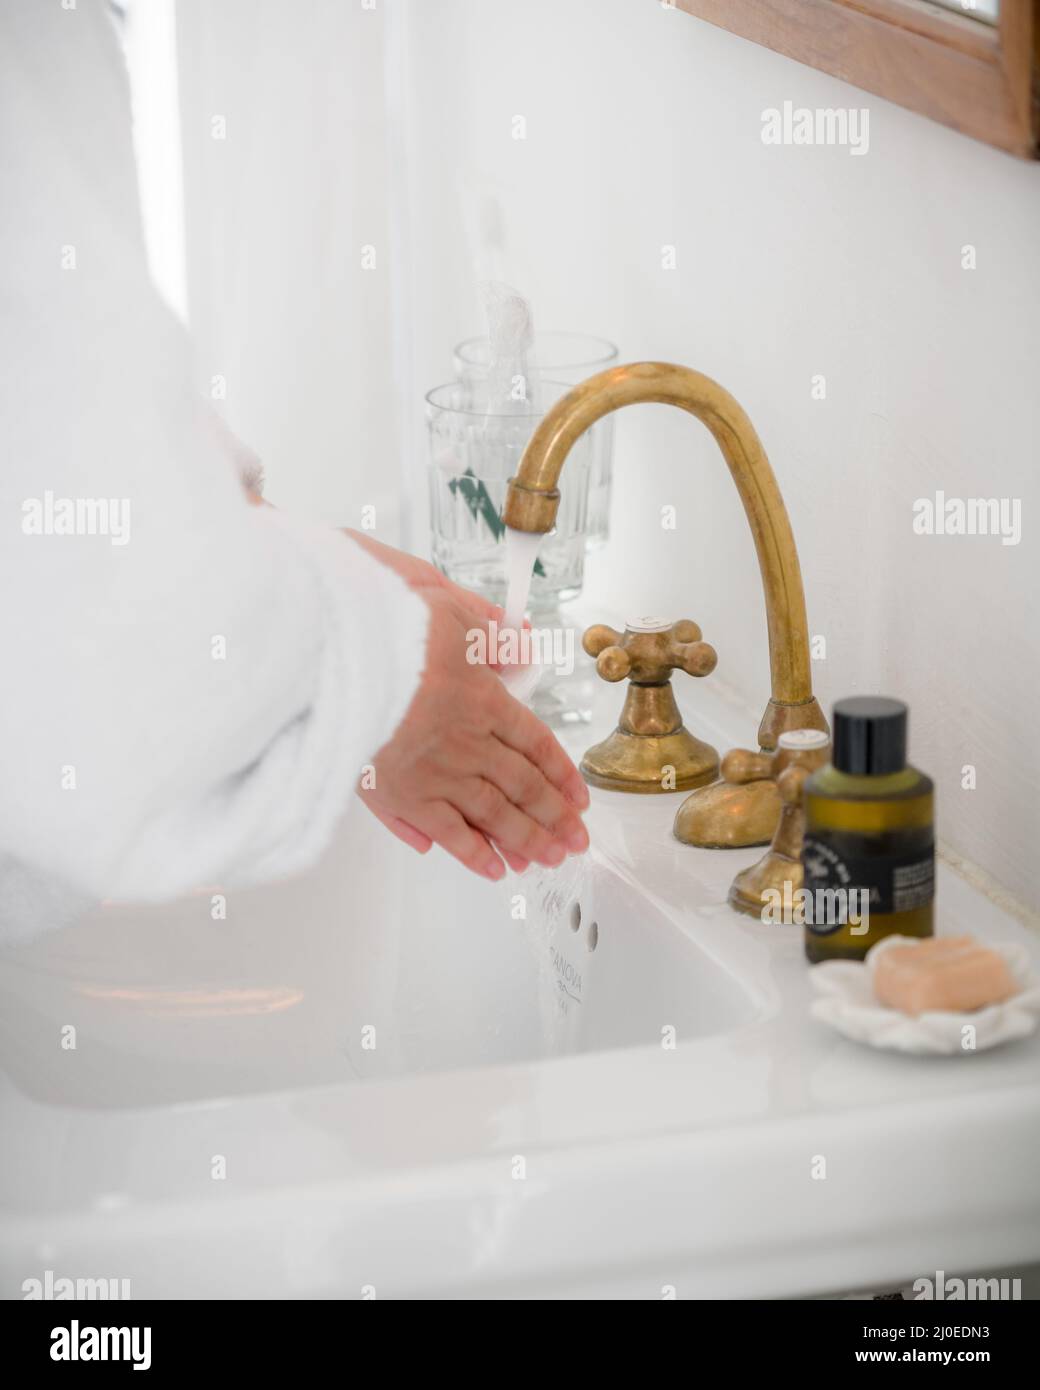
952	973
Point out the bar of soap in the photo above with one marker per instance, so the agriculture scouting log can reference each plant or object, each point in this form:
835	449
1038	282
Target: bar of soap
951	973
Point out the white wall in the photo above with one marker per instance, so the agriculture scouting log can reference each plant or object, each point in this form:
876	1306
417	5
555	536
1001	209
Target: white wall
643	129
277	214
349	126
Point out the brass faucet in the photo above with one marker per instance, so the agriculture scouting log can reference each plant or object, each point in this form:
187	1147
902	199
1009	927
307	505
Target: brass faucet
724	813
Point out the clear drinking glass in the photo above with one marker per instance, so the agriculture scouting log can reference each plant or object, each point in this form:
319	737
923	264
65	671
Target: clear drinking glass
473	453
567	357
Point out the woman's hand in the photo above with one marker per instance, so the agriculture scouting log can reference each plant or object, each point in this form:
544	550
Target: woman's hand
469	767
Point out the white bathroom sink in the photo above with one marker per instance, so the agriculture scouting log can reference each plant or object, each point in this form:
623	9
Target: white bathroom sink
380	963
621	1093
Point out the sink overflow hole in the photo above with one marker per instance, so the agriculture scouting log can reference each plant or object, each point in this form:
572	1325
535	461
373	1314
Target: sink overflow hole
593	937
575	916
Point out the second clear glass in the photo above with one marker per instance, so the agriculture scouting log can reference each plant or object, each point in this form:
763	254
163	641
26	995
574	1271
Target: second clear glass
571	358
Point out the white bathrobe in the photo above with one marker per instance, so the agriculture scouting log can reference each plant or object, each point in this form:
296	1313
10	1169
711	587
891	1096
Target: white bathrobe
189	697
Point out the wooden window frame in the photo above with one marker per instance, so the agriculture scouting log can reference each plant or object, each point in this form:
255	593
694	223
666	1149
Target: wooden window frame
978	78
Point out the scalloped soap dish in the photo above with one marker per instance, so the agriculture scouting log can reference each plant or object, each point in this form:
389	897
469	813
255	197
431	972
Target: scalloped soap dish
845	999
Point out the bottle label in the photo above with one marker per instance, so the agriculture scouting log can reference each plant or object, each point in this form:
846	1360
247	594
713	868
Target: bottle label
841	867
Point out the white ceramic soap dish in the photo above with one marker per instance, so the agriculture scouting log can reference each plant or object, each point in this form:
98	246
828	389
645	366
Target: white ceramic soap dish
845	999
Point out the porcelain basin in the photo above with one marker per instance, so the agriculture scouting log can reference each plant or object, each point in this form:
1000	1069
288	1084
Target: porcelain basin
380	963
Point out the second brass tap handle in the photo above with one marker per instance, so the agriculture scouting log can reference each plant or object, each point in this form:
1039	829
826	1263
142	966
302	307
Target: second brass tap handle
799	749
649	650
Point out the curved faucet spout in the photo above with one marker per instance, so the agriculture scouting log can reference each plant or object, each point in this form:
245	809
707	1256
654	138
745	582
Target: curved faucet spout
533	499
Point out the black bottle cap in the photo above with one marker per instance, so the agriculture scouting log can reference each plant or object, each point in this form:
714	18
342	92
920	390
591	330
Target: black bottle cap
869	735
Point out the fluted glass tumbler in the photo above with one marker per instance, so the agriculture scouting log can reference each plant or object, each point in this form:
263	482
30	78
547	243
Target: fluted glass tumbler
571	358
475	448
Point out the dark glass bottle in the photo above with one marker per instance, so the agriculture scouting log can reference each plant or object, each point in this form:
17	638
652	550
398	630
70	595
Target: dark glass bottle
868	827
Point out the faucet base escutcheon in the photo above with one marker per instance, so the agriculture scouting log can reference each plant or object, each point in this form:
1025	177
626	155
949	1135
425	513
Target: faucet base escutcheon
744	808
676	762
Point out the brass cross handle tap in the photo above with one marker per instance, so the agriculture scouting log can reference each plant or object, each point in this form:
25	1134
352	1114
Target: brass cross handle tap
773	881
648	651
650	750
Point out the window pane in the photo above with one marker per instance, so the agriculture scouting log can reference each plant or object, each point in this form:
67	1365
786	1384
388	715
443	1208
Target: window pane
986	10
